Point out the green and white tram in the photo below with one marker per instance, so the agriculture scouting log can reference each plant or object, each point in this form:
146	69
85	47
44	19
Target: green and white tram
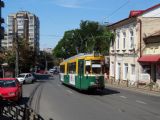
83	71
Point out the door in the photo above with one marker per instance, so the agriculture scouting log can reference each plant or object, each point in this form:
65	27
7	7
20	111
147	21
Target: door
154	73
27	78
80	73
118	75
30	78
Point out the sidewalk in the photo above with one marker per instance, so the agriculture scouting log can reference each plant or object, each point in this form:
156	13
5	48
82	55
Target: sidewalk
133	89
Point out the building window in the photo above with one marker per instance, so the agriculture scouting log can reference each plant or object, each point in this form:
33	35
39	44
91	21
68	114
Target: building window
111	43
118	37
112	68
146	69
133	69
124	40
131	39
125	71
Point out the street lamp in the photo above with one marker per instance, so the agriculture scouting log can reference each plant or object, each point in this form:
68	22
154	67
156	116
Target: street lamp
3	65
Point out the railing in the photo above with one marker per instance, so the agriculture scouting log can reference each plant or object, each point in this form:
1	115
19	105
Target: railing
12	111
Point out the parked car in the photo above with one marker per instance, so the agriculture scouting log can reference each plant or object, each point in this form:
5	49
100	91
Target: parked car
25	78
10	89
53	71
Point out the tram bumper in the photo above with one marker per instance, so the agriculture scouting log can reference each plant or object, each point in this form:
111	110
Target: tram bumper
98	84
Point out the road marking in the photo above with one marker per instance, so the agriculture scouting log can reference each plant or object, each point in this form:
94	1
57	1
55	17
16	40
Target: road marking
141	102
69	91
123	97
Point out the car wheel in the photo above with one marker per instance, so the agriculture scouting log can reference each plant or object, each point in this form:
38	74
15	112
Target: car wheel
21	96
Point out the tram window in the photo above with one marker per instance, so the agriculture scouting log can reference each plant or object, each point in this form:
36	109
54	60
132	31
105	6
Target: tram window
96	67
88	69
62	70
72	68
96	70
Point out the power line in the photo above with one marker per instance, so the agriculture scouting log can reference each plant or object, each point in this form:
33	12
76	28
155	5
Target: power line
50	35
119	8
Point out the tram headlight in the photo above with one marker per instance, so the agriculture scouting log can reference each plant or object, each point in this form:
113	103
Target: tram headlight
96	77
92	83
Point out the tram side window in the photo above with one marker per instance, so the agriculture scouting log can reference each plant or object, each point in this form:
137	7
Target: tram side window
72	68
88	67
62	69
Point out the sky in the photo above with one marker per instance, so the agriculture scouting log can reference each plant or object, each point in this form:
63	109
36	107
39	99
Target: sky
58	16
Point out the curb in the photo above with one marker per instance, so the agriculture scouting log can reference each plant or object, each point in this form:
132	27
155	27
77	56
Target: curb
146	92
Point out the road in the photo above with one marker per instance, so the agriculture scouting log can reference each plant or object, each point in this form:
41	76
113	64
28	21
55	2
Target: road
50	99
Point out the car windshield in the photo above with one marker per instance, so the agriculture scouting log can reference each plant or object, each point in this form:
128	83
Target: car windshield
7	83
21	75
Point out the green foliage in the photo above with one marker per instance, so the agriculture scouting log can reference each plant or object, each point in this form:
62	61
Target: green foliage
26	56
91	36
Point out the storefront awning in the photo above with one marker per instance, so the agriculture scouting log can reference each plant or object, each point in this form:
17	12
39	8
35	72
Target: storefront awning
149	58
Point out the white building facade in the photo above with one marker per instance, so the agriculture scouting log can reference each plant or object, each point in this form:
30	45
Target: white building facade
123	56
128	46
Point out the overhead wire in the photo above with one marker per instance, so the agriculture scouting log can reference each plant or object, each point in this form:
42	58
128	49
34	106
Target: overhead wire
115	11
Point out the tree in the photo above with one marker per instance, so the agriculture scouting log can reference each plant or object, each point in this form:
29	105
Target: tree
26	56
91	36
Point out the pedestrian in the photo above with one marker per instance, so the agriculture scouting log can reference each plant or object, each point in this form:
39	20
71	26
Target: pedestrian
106	75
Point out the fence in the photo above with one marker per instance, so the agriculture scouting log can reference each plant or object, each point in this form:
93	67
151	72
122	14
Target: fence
11	111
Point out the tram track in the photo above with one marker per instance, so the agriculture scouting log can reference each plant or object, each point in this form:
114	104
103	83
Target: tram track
35	97
38	98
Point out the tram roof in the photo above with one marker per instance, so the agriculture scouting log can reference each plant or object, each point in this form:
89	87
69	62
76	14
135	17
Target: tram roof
82	55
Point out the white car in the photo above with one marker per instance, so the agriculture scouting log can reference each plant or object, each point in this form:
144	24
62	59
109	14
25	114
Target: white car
25	78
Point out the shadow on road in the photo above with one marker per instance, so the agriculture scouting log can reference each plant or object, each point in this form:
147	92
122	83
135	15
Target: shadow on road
100	92
104	92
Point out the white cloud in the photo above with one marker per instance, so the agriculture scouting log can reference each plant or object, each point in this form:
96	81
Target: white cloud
71	3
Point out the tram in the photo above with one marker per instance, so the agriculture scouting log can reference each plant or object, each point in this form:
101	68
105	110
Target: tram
83	71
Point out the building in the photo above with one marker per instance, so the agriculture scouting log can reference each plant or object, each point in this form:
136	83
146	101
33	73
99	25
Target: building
48	50
1	22
24	25
150	59
129	44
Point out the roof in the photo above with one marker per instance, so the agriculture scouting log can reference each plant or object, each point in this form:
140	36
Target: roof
149	58
151	8
82	55
136	13
154	34
7	78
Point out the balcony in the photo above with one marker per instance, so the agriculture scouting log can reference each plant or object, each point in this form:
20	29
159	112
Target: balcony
1	4
1	20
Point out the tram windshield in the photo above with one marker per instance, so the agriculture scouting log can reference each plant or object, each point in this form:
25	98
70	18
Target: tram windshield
93	67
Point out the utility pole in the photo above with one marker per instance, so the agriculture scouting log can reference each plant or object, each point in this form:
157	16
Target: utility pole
16	47
46	63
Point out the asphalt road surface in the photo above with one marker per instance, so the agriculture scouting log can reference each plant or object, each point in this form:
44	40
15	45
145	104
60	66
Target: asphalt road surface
52	100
